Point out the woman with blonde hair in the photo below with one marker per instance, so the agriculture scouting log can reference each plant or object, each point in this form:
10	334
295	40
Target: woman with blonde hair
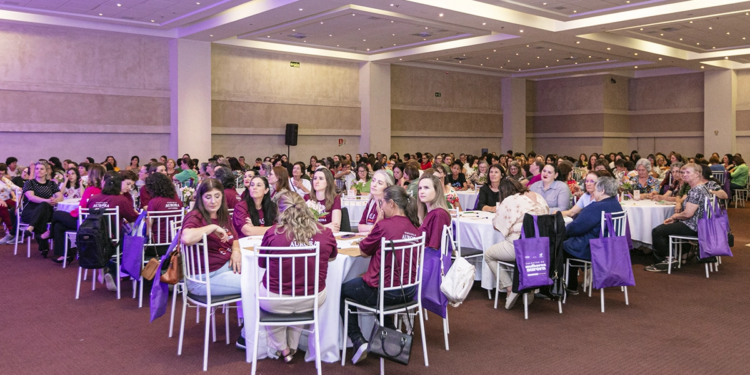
278	179
295	226
379	182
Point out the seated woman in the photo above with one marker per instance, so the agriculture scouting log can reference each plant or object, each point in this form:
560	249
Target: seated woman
565	172
556	193
68	221
298	184
362	182
257	211
296	226
162	199
396	219
7	205
278	179
40	196
440	171
715	165
515	171
480	177
535	172
587	197
646	184
398	174
489	194
187	177
227	179
71	188
713	186
143	192
324	192
588	224
411	178
172	168
516	201
434	215
246	178
738	174
671	184
456	179
380	181
684	223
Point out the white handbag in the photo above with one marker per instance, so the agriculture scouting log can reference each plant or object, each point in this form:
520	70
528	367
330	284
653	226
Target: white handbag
458	282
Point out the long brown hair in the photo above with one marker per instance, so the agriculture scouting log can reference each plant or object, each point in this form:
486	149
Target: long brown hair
282	176
222	216
330	192
96	173
438	202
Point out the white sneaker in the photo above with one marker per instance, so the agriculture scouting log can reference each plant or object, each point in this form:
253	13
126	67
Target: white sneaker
110	281
511	300
5	239
361	353
530	298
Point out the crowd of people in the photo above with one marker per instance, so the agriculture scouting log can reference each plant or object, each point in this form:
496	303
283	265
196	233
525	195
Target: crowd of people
406	196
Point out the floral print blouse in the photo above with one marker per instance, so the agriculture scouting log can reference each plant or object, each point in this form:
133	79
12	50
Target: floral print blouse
651	186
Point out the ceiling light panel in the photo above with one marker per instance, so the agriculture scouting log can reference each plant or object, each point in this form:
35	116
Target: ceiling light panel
131	10
575	9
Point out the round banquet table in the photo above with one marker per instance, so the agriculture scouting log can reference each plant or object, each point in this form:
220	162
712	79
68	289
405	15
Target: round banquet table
643	216
468	199
355	206
342	269
68	205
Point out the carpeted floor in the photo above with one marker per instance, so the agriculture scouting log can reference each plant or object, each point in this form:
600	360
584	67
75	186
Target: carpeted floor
676	324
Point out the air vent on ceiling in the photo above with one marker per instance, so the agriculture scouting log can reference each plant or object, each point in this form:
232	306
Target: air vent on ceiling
11	2
651	32
423	34
571	58
297	35
460	58
669	29
127	18
539	47
373	18
560	8
443	31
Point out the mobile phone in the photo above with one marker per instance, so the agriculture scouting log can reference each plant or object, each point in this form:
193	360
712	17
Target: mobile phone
347	236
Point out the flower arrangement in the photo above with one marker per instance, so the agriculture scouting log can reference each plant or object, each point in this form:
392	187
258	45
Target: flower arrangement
359	186
451	199
482	179
318	210
187	194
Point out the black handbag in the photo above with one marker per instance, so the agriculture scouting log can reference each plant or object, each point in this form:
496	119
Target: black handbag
387	343
730	238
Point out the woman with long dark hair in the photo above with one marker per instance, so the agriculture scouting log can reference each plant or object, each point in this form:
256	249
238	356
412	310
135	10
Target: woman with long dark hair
324	192
163	198
257	211
135	164
71	188
278	180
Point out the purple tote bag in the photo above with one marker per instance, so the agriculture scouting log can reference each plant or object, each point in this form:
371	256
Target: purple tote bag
712	232
132	250
159	291
532	259
433	298
610	259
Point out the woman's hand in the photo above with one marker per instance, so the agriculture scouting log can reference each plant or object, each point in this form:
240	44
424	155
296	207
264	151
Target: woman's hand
3	204
235	260
380	213
668	221
221	233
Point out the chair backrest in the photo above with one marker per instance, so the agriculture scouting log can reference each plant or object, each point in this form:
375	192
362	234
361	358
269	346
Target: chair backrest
113	224
160	222
239	182
231	213
446	241
719	176
619	221
175	226
346	224
404	260
195	263
303	261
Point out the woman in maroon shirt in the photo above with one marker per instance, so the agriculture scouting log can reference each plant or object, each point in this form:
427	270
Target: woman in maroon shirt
433	211
162	199
324	191
379	182
396	220
256	212
296	226
143	192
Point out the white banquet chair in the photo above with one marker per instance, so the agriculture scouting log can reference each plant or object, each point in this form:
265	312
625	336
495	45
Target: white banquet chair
113	228
468	253
162	220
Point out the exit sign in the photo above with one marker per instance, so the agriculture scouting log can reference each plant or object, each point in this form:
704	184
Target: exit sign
294	64
437	94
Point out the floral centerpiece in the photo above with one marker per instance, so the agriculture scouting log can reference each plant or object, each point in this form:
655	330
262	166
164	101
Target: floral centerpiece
627	189
482	179
451	199
359	186
318	210
187	194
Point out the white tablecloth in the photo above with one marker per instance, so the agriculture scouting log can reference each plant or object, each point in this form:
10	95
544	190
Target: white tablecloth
355	207
645	215
68	205
342	269
468	199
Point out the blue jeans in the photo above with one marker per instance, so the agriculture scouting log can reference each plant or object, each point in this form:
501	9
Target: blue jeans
360	292
223	282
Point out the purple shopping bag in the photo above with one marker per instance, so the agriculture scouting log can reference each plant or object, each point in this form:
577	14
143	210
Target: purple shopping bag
610	259
712	232
132	250
433	271
159	291
532	259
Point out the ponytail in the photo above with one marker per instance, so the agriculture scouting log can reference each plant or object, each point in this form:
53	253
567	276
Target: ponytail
411	211
408	204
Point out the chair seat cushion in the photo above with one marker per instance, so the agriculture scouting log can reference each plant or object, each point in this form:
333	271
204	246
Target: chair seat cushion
470	252
214	299
268	317
398	306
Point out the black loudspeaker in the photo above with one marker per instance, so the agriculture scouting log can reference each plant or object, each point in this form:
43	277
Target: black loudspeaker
290	138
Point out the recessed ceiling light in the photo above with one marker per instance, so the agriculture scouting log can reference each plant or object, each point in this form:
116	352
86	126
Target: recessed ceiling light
703	67
516	53
391	21
727	33
635	54
558	60
726	57
460	62
641	29
300	9
437	58
743	38
608	49
337	45
680	39
575	11
424	39
368	49
546	66
304	41
550	49
710	27
441	14
636	66
484	23
197	3
691	21
364	40
330	34
481	64
660	59
576	63
151	20
589	56
578	42
713	47
211	35
426	27
119	5
528	63
393	34
100	14
268	36
400	59
662	34
697	44
544	3
607	59
294	30
394	44
627	2
537	57
494	50
321	22
521	30
391	4
488	58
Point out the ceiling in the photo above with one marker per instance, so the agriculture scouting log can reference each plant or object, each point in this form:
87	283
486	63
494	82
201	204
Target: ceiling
534	39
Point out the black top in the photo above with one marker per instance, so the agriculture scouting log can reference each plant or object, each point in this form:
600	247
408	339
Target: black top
458	182
44	191
487	197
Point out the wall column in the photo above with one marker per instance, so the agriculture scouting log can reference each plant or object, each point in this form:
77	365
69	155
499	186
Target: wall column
719	112
190	84
375	96
513	103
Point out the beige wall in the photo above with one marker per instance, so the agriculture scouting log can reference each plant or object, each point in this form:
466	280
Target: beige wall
743	112
466	118
64	92
255	94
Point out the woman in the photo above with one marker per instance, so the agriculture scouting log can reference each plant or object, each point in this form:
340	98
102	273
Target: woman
358	158
503	162
246	178
582	161
325	193
673	189
163	198
257	211
71	188
728	161
226	177
298	184
479	177
68	221
210	217
565	171
278	180
586	198
398	174
515	171
738	174
110	160
172	169
379	182
296	227
489	194
313	165
441	171
588	224
646	184
661	166
362	184
432	211
7	204
457	179
675	158
265	169
516	201
551	159
40	196
235	166
411	177
134	166
556	193
396	219
426	163
592	161
715	165
438	160
187	177
684	223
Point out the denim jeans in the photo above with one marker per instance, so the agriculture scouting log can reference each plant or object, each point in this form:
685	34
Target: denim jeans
223	282
360	292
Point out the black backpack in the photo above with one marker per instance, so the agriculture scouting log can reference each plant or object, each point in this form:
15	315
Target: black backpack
92	239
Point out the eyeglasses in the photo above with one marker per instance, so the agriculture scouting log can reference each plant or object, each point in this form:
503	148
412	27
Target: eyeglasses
590	181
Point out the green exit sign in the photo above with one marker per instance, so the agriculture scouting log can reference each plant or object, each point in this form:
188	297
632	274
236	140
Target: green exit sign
437	94
294	64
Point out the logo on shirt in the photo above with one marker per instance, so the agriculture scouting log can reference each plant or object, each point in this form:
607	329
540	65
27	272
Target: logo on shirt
172	206
100	205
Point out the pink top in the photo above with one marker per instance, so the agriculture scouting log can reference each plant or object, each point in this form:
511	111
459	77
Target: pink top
87	194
